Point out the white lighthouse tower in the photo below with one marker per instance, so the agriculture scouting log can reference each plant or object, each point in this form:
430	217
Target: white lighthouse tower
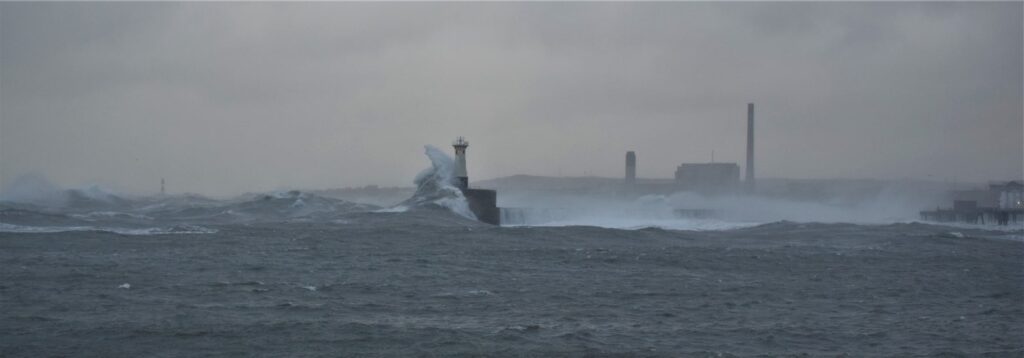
460	145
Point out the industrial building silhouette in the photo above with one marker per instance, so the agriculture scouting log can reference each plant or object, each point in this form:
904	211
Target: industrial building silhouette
708	177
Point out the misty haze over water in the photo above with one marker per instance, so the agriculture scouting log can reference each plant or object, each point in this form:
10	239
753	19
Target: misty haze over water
275	179
224	99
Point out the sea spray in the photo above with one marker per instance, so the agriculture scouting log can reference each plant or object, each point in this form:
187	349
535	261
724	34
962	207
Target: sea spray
33	189
436	185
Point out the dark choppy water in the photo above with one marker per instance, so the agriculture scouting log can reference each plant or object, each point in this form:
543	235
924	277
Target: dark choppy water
300	275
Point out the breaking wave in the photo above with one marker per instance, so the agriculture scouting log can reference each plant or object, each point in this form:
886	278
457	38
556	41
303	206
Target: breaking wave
436	186
288	205
36	190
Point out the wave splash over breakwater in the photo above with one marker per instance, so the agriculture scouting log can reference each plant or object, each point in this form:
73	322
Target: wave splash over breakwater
34	205
436	186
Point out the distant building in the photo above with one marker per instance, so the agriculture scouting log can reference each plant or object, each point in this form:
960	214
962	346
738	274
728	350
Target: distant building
708	177
1003	195
1010	195
750	149
1002	204
630	167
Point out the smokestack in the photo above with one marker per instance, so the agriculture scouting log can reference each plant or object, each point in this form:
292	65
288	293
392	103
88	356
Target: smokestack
460	145
630	167
750	148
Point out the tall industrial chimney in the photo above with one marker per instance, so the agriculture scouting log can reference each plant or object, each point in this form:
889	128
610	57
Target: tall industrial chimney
750	148
630	167
460	145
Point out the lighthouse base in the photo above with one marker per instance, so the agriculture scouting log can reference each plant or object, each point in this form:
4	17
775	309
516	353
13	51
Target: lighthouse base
484	204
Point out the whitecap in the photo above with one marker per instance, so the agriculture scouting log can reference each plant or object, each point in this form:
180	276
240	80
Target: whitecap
394	209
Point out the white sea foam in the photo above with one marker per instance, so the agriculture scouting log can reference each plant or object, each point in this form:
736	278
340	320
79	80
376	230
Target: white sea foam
393	209
181	229
1013	228
692	211
97	192
110	214
638	223
643	212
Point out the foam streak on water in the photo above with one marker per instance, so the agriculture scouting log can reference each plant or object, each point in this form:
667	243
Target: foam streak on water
183	229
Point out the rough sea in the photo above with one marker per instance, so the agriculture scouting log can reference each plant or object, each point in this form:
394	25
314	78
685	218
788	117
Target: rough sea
299	275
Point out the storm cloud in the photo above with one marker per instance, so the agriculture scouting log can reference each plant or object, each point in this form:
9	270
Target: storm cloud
224	98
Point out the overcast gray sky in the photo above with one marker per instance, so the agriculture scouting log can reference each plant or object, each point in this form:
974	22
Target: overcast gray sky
225	98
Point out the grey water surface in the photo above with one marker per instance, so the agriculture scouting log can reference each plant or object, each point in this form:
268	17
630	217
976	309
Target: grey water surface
300	275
